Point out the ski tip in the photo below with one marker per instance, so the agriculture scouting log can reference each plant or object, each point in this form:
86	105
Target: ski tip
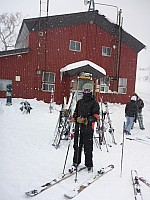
28	194
32	193
112	166
102	170
141	178
67	196
133	170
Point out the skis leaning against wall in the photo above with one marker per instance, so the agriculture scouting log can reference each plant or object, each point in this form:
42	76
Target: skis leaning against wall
64	125
104	129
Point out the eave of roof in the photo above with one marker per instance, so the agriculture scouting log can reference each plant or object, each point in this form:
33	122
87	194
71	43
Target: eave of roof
14	52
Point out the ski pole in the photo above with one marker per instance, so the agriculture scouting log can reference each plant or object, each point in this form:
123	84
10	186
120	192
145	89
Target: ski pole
66	156
78	143
122	148
70	138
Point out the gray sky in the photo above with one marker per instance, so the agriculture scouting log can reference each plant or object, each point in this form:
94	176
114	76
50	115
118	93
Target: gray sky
135	13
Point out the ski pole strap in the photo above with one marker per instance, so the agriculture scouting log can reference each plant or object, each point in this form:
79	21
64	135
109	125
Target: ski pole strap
96	116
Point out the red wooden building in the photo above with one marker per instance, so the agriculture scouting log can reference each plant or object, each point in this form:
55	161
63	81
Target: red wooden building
47	45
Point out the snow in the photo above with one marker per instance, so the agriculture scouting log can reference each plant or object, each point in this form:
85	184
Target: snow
81	64
28	159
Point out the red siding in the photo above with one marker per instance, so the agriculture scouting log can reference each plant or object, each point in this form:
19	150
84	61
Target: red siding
53	53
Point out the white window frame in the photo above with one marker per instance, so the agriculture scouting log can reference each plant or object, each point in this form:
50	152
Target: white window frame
48	82
104	84
17	78
106	51
122	86
73	46
4	83
50	87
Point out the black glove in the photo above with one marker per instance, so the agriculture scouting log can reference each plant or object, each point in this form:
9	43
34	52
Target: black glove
91	119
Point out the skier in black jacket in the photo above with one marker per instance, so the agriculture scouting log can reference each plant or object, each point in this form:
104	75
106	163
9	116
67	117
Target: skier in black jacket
85	115
131	114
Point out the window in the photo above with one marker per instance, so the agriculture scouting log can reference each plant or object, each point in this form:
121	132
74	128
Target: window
48	81
75	46
122	87
49	77
104	84
106	51
17	78
48	87
4	83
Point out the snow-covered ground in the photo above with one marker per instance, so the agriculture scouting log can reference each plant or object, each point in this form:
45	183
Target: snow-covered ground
28	159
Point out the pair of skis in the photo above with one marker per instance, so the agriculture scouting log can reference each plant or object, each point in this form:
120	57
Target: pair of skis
104	127
111	129
51	183
88	182
76	190
136	184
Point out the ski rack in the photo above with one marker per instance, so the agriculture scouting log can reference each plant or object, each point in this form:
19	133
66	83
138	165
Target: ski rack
63	126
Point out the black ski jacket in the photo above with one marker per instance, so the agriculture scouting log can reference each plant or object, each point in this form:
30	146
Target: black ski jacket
87	107
131	109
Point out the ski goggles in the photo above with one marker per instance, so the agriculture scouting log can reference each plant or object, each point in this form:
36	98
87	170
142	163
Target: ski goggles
86	90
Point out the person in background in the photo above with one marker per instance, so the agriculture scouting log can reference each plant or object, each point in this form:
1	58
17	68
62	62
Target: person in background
85	115
140	106
130	114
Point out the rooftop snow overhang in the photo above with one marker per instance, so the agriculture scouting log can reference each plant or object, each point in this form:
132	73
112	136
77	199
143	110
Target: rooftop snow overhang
76	68
14	52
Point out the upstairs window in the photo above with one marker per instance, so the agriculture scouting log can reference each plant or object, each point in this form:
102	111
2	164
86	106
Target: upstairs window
106	51
48	81
75	46
122	87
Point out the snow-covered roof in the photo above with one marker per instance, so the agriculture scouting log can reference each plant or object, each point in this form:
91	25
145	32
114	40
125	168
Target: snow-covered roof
74	69
75	19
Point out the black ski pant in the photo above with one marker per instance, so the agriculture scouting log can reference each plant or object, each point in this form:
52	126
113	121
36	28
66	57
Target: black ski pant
83	138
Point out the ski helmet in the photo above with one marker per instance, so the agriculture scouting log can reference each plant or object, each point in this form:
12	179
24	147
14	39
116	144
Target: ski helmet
87	88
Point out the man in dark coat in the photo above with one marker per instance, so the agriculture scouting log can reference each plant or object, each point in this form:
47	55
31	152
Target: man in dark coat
131	114
85	115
